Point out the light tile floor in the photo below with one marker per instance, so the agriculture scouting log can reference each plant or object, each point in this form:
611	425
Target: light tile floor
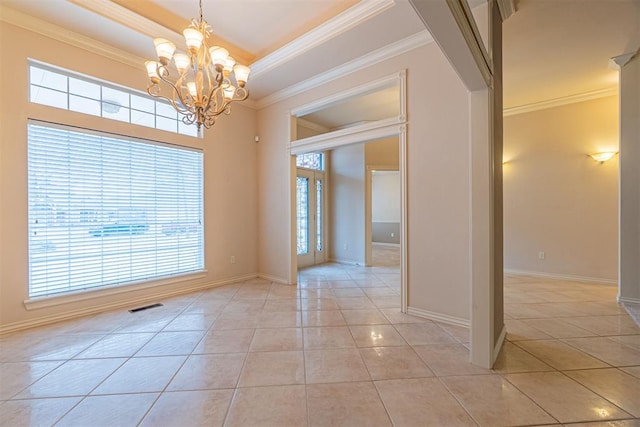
334	350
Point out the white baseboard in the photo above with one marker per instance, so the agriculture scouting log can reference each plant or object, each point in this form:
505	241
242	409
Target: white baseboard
45	320
392	245
346	262
628	300
275	279
499	344
442	318
562	277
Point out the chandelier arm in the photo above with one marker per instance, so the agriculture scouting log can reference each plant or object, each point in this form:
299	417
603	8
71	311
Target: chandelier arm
176	90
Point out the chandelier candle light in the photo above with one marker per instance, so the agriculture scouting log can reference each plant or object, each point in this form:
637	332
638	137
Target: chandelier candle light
208	79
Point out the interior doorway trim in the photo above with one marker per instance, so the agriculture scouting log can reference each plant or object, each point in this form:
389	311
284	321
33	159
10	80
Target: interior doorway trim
330	142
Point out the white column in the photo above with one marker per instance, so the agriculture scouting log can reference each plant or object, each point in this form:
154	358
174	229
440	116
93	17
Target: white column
629	252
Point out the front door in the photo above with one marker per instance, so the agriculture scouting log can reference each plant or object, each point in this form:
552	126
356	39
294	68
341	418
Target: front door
310	217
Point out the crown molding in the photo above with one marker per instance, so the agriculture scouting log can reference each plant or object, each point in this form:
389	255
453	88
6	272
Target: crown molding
394	49
47	29
617	62
359	13
557	102
308	124
124	16
507	8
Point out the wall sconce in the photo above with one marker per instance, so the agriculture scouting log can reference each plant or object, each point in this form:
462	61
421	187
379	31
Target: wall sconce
602	157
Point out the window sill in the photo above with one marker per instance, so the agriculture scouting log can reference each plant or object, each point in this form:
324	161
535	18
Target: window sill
72	297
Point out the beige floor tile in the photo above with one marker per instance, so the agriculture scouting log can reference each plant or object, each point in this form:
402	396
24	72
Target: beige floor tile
376	336
514	359
606	325
421	402
16	376
492	401
342	282
320	293
319	304
272	368
348	292
171	344
355	303
142	374
364	317
282	304
230	320
208	371
381	292
116	345
323	318
632	370
607	350
278	339
35	412
189	408
282	291
145	323
387	363
560	355
334	366
619	423
279	319
25	348
558	328
387	302
327	337
424	333
632	341
565	399
518	330
449	359
460	333
268	406
116	410
614	385
74	378
192	322
225	341
345	404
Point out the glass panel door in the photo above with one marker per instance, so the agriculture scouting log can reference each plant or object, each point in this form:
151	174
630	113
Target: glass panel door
310	217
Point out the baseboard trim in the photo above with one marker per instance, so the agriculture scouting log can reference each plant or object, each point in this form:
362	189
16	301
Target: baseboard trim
499	344
45	320
562	277
442	318
391	245
628	300
346	262
275	279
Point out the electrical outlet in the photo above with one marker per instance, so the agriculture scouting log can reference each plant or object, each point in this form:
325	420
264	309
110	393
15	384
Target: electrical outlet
393	234
233	259
541	255
346	247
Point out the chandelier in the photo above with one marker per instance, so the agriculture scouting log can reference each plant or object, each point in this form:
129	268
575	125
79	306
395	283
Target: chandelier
202	83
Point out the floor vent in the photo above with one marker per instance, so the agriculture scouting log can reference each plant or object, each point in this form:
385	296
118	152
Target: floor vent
146	307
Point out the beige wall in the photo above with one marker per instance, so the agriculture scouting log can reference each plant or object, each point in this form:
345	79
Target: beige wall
437	172
346	204
230	158
556	198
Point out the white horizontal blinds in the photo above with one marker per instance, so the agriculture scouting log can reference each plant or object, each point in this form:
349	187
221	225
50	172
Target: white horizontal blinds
106	210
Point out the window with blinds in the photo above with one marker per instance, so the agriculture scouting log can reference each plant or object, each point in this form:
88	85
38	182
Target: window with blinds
108	210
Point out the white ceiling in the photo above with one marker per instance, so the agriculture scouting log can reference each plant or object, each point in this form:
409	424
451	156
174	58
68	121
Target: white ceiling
552	48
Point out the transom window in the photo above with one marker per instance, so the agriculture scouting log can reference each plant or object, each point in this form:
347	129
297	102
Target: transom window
109	210
310	161
75	92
